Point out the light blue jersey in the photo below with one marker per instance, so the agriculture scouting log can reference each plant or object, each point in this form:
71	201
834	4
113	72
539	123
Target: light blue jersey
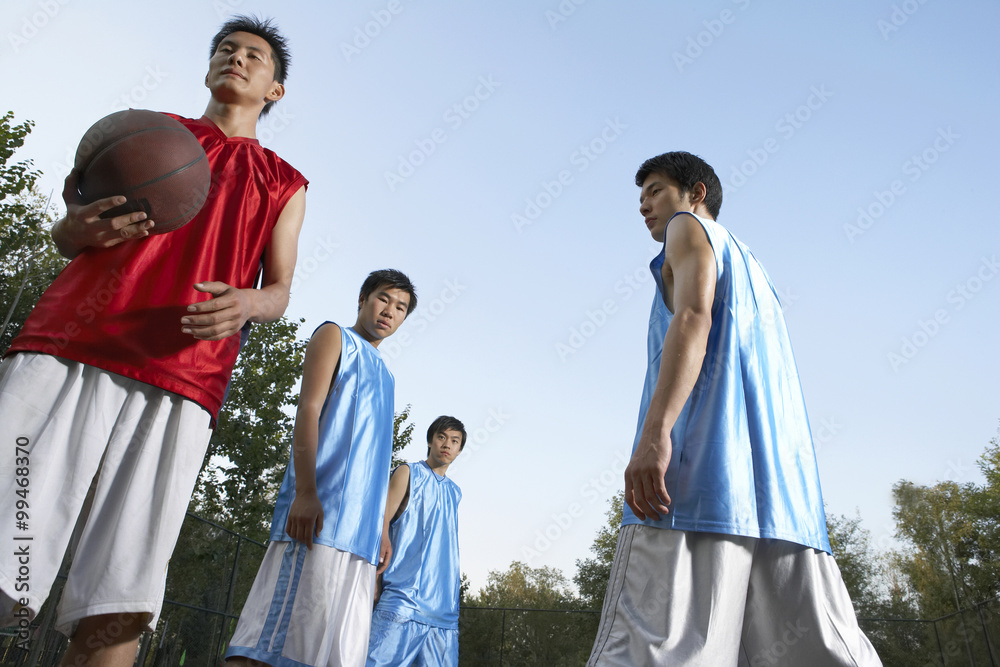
423	578
743	461
353	454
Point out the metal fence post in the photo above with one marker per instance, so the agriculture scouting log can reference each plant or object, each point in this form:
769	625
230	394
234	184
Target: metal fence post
986	634
938	638
503	630
229	596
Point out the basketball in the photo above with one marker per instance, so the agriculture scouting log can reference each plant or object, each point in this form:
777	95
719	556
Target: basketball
150	159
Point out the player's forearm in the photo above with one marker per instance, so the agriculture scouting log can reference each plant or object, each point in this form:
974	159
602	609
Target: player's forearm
64	243
683	354
269	302
304	444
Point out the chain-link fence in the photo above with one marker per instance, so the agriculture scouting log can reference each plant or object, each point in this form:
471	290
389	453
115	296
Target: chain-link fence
968	638
210	575
213	568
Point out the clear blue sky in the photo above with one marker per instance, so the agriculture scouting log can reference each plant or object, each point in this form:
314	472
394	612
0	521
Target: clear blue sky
531	329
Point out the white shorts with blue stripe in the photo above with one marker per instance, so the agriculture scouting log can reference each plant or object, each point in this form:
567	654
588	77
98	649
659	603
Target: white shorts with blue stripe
307	608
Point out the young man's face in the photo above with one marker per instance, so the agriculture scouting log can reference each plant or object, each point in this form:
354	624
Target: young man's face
445	446
243	69
659	199
382	312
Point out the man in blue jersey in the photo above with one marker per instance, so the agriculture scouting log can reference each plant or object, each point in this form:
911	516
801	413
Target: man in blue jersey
311	601
723	557
416	619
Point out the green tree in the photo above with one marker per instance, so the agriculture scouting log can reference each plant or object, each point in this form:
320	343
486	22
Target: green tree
951	556
878	589
593	573
463	589
29	261
940	565
984	508
858	563
402	435
545	629
249	450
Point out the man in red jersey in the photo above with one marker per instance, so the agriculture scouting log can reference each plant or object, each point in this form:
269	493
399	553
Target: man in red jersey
114	382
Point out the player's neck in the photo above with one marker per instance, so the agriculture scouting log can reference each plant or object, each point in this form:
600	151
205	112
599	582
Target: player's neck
361	331
441	468
233	119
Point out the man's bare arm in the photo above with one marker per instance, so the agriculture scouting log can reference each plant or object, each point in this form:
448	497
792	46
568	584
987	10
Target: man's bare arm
305	516
399	491
690	263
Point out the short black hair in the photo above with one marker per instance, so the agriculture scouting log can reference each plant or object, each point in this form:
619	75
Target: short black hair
266	30
686	169
442	424
394	280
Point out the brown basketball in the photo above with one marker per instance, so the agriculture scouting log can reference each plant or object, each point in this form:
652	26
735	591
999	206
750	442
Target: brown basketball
150	159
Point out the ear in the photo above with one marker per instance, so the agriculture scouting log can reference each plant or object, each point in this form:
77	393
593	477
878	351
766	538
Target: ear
276	93
698	193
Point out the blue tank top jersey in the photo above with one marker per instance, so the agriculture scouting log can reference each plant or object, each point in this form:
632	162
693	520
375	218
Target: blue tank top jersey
423	578
743	461
353	453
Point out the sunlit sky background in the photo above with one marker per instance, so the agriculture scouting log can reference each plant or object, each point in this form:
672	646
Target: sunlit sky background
532	330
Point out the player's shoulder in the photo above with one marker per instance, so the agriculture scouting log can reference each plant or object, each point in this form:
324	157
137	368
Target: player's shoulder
327	338
684	223
328	328
687	232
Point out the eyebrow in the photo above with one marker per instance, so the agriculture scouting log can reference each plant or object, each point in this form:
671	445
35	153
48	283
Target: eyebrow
390	298
249	47
643	191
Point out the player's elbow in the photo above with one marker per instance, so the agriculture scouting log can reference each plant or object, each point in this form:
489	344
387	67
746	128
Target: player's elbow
272	302
694	322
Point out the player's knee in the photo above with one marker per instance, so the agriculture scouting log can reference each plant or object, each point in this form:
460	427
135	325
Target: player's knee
106	630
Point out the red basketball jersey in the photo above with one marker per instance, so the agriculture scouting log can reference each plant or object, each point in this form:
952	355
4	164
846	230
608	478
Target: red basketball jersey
120	308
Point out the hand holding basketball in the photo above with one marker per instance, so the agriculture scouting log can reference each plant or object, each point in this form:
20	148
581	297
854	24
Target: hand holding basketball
83	227
221	316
